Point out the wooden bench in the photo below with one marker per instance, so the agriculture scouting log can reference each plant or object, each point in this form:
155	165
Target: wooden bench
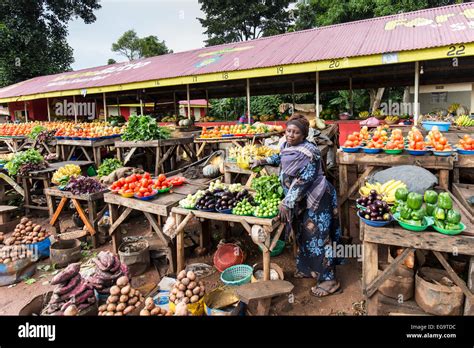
6	224
258	296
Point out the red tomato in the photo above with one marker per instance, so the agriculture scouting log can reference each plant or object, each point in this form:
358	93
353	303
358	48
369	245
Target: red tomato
143	190
128	179
128	191
147	175
161	177
146	194
139	195
144	182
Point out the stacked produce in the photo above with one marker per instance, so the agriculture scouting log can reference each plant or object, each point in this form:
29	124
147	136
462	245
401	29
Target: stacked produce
80	185
244	207
251	152
14	253
220	185
92	130
390	119
445	217
144	128
71	289
207	201
353	140
386	190
123	299
152	310
65	173
26	161
238	130
190	201
437	140
464	121
380	133
373	207
268	195
108	270
466	143
396	141
410	206
27	232
187	289
108	166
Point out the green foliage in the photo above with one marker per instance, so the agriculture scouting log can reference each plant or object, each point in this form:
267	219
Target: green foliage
233	21
144	128
108	166
35	131
33	36
30	156
133	47
111	61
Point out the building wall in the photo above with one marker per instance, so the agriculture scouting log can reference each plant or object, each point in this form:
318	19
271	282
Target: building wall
427	105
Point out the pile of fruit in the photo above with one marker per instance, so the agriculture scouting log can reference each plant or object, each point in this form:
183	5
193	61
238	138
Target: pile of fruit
238	130
244	207
123	299
187	289
14	253
251	152
71	290
108	270
142	185
396	141
84	130
226	199
386	190
27	232
353	140
415	140
190	201
466	143
267	208
373	207
464	121
65	173
163	183
391	119
437	140
153	310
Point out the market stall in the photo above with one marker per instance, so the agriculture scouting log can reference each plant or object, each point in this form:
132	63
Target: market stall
90	148
14	143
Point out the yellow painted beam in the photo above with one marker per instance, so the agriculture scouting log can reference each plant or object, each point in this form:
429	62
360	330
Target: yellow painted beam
458	50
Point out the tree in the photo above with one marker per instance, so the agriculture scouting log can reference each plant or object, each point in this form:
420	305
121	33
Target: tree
234	20
133	47
33	36
111	61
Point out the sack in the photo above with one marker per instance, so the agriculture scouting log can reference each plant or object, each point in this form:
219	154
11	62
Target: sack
16	271
416	178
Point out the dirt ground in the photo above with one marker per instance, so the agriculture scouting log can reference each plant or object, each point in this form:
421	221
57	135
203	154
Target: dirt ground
13	298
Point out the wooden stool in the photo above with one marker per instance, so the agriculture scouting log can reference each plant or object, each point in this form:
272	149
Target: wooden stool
258	296
6	224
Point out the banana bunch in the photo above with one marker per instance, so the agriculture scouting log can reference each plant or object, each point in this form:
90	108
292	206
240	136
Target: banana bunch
63	174
387	190
391	119
251	152
464	121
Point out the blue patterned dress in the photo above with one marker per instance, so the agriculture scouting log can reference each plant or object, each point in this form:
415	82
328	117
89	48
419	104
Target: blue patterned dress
315	231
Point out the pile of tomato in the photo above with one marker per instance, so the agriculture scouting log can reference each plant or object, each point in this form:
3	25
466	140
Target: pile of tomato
396	141
416	140
142	185
466	143
353	140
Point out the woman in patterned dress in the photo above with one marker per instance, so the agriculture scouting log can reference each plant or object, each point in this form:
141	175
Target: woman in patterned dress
309	207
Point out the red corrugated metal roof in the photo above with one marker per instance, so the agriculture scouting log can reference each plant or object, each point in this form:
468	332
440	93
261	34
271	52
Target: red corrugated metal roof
409	31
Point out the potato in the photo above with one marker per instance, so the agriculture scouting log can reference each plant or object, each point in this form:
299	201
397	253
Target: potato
37	228
24	220
155	311
35	239
174	291
145	312
188	293
109	314
173	298
120	307
21	227
192	285
185	281
7	260
122	281
201	294
132	292
196	290
41	234
111	307
29	223
181	287
150	306
168	314
113	299
103	308
181	274
138	304
28	229
180	294
128	310
194	299
149	300
190	275
118	314
125	290
132	301
185	300
123	298
115	290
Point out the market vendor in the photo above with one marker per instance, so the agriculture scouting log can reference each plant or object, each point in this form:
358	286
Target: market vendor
309	207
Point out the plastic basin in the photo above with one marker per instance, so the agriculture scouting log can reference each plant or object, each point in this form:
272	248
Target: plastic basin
375	223
450	232
426	224
442	126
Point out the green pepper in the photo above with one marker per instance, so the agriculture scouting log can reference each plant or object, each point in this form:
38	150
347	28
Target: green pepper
401	194
453	217
452	227
439	214
439	224
414	200
418	215
413	222
430	197
405	212
430	208
445	201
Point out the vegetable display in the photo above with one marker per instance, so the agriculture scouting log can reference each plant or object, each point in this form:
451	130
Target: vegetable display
108	166
123	299
27	232
466	143
35	131
80	185
387	190
415	140
142	185
23	158
14	253
373	207
144	128
70	290
187	289
108	270
396	141
153	310
267	187
65	173
437	140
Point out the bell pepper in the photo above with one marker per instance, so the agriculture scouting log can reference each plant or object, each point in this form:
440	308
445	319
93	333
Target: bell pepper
453	217
414	200
430	197
439	224
439	214
418	215
452	227
401	194
405	213
445	201
413	222
430	208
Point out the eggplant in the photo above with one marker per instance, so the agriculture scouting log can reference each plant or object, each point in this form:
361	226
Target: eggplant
373	214
379	218
367	216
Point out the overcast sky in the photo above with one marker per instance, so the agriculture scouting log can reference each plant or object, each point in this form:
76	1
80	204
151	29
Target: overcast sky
171	20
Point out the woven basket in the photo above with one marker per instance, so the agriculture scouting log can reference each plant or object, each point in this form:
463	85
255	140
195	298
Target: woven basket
237	275
71	235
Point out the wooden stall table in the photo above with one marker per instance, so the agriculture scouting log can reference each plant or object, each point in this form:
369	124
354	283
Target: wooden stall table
90	148
45	147
163	150
45	176
14	143
269	226
463	192
371	161
93	203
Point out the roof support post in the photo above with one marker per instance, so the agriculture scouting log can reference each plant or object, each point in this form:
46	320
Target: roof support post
351	99
188	98
105	106
26	112
293	97
248	101
141	107
207	102
417	90
317	94
118	107
75	108
174	105
49	111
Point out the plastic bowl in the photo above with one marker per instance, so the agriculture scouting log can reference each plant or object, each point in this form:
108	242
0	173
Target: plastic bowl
237	275
465	152
417	152
350	149
165	190
393	152
443	153
147	198
227	255
367	150
442	126
279	247
207	210
375	223
126	195
406	226
225	211
265	217
450	232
